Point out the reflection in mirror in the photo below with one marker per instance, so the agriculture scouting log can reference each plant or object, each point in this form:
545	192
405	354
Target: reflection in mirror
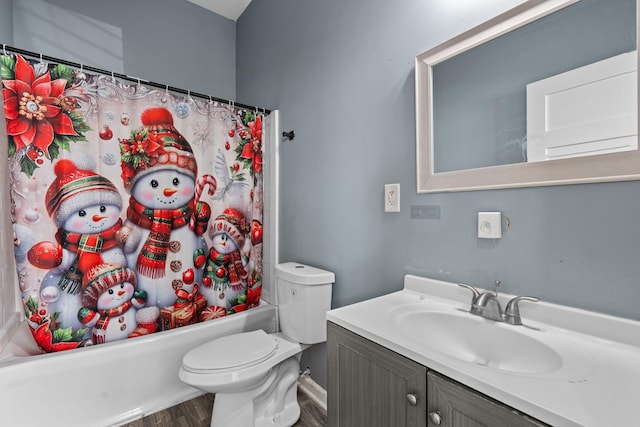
488	105
480	98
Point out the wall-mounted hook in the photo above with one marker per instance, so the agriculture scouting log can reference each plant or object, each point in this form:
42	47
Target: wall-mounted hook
290	135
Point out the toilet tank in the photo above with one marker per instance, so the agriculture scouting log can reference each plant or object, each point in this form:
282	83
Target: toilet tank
304	297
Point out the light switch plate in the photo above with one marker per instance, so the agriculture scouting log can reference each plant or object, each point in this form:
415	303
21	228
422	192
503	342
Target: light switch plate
489	225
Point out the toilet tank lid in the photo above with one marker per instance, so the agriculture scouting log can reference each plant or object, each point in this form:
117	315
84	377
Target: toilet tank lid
304	274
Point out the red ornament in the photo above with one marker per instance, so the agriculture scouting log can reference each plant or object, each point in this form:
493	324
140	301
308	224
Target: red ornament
32	153
207	282
227	146
221	272
199	261
188	276
106	133
232	133
45	255
236	167
256	232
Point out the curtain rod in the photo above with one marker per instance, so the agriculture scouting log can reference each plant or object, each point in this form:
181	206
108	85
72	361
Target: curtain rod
6	49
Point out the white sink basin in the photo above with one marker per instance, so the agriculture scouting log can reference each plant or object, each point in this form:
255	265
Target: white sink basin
480	341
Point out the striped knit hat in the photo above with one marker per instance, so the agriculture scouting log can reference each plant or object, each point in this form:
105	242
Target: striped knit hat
157	145
74	189
100	278
232	223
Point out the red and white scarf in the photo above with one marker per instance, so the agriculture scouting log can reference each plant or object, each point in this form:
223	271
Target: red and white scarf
153	255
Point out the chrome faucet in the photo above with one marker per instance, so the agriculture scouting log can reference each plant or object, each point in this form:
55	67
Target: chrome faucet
487	305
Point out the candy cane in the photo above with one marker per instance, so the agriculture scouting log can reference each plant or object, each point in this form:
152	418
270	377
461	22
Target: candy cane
204	180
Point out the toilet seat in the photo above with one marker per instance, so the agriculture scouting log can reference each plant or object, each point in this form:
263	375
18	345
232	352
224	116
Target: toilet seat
231	352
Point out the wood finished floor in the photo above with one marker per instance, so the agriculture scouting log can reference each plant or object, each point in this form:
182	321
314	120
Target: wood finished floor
197	413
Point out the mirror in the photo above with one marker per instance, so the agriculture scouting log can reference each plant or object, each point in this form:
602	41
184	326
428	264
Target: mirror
492	113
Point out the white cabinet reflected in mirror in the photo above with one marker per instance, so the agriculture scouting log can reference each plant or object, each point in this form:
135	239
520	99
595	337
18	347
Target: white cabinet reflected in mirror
544	94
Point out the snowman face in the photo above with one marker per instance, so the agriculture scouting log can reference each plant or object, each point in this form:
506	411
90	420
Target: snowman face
223	243
92	219
164	189
115	296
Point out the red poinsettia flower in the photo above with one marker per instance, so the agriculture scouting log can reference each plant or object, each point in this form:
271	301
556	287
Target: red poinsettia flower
30	108
253	149
253	296
144	146
44	338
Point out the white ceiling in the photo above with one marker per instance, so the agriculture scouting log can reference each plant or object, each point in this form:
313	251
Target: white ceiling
231	9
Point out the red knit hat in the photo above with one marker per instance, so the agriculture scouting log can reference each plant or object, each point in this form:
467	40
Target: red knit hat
100	278
74	189
157	145
231	222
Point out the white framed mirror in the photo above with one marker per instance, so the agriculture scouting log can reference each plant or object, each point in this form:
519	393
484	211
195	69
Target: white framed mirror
518	125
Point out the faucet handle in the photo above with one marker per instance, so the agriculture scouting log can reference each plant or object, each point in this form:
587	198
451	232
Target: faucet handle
476	293
512	312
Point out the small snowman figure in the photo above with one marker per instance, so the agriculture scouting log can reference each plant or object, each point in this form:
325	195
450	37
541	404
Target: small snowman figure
110	303
165	220
225	281
85	207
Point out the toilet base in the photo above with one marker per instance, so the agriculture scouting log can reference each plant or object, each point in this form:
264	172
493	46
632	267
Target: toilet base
272	403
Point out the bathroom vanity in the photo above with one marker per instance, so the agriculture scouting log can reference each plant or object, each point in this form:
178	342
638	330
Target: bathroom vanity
417	357
370	385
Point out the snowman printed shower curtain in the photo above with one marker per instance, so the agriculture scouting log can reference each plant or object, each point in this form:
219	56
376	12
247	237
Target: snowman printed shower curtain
135	210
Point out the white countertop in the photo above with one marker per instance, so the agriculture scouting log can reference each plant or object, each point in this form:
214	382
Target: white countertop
598	385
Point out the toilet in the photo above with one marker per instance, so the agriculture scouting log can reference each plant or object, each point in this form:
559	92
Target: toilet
254	374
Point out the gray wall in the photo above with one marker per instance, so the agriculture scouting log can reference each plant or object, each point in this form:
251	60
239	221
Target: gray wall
6	22
341	72
165	41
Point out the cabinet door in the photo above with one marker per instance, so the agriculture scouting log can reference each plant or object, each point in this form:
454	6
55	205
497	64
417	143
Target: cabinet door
371	386
459	406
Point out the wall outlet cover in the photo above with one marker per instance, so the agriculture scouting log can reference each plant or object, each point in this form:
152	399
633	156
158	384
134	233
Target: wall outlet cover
489	225
392	198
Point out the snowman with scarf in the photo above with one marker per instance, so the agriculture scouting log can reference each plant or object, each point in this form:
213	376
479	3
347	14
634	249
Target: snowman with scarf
111	302
165	219
85	207
225	281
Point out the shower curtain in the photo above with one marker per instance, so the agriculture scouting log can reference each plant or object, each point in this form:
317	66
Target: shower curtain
134	209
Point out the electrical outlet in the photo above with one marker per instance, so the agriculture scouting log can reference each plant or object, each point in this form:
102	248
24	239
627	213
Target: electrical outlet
392	198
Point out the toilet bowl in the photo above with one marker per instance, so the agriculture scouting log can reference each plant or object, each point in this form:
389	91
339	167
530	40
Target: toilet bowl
254	374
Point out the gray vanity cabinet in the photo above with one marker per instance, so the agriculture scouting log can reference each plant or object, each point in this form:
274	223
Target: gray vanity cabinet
370	386
451	404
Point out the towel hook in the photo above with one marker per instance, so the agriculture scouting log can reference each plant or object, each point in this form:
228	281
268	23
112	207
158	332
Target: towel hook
289	135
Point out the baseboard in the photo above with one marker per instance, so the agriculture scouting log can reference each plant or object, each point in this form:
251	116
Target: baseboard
313	390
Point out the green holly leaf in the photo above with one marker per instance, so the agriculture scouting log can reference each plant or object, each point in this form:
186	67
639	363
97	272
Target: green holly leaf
61	72
55	146
31	304
78	335
27	166
8	67
249	116
78	122
12	145
62	335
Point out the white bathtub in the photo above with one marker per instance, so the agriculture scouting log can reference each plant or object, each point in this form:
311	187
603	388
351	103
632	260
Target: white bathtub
109	384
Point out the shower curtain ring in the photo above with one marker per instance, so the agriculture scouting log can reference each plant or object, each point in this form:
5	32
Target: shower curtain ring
41	58
4	49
